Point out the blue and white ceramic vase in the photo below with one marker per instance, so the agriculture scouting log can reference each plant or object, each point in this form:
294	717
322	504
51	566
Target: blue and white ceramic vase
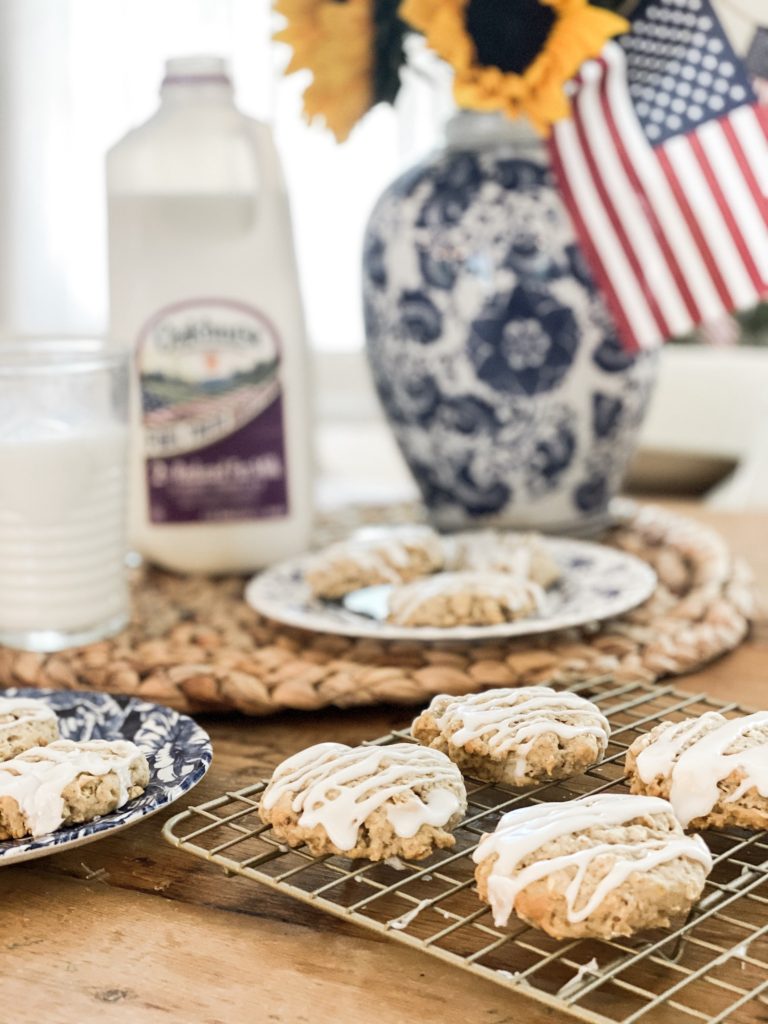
495	359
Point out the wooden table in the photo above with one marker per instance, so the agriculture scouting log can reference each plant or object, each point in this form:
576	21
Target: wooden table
132	930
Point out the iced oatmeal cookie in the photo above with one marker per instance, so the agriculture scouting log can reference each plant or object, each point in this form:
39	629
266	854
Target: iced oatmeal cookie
373	557
464	599
376	802
25	722
67	783
524	555
599	867
712	769
518	736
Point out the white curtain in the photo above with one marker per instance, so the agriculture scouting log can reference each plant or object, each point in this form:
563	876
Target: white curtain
76	74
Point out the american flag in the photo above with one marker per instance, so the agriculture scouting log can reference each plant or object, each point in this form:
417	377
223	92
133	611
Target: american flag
664	169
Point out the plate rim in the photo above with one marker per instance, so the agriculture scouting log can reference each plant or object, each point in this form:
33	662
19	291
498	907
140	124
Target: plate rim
16	854
370	629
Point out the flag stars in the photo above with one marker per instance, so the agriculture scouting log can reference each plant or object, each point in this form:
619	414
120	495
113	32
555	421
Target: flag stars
681	69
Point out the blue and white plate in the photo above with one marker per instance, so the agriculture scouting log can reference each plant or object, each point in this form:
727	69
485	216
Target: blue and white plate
597	583
177	749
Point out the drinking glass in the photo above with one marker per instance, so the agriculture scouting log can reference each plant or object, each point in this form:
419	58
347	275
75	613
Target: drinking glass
63	474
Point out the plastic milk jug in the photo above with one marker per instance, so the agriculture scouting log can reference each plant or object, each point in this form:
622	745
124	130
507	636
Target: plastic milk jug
203	285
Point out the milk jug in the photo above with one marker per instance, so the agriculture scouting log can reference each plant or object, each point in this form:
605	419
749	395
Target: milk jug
203	286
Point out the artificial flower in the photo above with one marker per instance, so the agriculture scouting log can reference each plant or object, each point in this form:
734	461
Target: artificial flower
353	48
514	56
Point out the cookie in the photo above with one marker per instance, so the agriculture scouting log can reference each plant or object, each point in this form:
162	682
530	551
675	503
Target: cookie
25	722
67	783
517	736
600	867
464	599
524	555
712	769
400	800
373	557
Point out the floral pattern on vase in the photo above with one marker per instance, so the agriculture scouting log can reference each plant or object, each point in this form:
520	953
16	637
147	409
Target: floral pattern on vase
494	357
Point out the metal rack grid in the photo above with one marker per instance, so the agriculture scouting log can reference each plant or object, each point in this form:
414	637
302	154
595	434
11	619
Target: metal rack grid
712	967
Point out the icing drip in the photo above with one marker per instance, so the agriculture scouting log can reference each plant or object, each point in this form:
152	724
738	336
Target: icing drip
489	551
385	552
21	710
503	719
338	787
514	593
522	832
697	754
37	778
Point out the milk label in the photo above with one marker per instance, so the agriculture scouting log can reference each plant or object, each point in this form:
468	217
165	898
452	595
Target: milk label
212	413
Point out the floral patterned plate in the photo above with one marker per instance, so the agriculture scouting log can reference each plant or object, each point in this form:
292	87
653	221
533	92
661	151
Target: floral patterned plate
178	751
597	583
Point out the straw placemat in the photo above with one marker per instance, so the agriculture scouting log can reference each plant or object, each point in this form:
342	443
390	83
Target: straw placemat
194	644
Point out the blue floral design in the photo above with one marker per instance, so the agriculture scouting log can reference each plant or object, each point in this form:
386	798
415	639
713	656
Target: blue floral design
517	174
415	400
607	414
478	499
525	342
553	453
374	259
466	415
592	493
177	749
612	357
420	317
438	270
488	341
456	181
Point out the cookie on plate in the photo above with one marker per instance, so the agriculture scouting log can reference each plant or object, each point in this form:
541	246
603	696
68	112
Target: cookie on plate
373	557
599	867
712	769
67	783
399	800
518	736
520	554
25	722
464	599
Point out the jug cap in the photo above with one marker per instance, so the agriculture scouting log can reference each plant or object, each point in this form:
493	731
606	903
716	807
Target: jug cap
196	68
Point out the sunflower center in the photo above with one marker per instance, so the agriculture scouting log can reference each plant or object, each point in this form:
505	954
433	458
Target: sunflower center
508	34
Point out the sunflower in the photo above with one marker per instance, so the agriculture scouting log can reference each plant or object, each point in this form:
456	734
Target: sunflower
353	48
514	56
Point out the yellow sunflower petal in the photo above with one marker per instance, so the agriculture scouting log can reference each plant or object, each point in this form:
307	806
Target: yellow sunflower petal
335	42
579	33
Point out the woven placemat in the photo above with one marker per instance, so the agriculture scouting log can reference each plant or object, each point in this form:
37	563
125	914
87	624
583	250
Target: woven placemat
194	644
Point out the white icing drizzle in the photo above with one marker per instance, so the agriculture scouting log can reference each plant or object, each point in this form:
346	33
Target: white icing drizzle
519	554
695	756
21	710
338	787
384	552
522	832
37	778
516	718
485	550
513	593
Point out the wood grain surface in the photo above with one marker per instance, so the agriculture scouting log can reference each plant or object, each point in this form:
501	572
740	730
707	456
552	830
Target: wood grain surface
131	930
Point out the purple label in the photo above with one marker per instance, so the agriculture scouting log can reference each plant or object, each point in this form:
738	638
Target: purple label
212	414
240	477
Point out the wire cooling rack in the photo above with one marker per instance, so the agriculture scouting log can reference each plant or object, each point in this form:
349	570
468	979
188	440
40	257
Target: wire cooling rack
712	967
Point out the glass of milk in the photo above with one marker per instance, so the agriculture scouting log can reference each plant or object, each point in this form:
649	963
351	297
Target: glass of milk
63	472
